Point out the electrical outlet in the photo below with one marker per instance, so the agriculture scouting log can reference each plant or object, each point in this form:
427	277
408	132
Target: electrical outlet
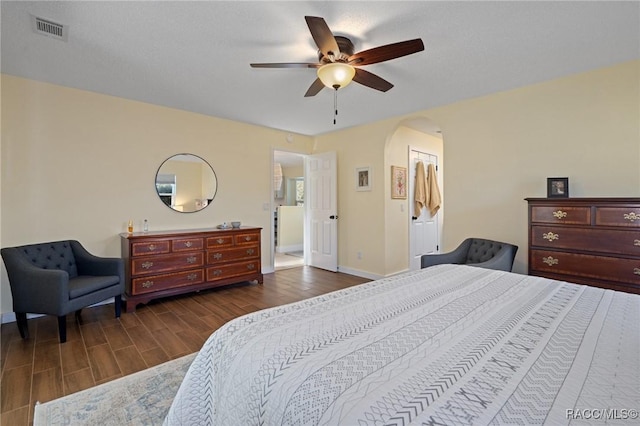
359	255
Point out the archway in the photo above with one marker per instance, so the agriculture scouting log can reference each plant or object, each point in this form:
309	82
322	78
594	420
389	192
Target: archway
413	138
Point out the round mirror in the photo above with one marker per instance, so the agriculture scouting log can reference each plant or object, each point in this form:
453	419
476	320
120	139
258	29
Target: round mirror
186	183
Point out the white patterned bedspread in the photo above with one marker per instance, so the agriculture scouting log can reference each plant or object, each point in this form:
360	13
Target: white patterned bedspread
441	346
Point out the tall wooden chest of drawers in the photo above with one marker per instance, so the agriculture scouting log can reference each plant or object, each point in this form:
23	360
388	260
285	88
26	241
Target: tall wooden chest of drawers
159	264
593	241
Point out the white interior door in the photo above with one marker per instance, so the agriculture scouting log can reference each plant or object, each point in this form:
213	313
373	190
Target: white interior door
423	235
322	211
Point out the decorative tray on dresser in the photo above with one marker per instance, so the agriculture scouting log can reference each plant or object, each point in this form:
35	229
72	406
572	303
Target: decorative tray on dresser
593	241
159	264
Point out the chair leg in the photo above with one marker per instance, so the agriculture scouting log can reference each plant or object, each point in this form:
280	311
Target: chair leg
118	303
62	328
23	328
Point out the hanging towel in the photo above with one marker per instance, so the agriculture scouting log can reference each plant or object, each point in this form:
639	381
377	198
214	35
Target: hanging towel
433	200
420	196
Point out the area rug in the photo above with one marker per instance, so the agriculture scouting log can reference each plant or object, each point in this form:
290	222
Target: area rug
142	398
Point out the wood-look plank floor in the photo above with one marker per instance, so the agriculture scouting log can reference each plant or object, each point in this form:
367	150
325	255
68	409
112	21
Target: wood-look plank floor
101	348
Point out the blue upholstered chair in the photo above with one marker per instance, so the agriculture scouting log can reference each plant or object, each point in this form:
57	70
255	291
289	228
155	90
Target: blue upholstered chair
60	277
476	252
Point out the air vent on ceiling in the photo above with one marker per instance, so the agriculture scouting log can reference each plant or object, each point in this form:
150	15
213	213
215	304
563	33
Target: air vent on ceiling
49	28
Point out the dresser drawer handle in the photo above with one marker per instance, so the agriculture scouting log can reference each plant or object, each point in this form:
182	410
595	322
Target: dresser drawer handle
147	284
631	216
151	247
251	266
550	236
219	241
217	256
550	261
217	273
250	251
636	271
192	277
188	244
191	259
147	265
247	238
559	214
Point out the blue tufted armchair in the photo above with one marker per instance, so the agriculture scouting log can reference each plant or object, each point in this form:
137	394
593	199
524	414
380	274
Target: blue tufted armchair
476	252
60	277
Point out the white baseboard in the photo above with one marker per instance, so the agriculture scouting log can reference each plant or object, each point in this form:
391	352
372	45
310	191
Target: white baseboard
11	316
398	273
359	273
288	249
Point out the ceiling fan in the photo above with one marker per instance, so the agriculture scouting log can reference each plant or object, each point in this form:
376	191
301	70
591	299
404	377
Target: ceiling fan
338	65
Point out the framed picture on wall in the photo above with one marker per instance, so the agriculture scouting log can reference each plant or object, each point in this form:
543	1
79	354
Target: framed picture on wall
363	179
558	187
398	182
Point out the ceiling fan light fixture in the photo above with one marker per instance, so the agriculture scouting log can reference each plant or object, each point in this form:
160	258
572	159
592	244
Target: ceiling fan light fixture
336	74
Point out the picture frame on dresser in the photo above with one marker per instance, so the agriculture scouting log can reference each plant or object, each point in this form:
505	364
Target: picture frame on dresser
558	187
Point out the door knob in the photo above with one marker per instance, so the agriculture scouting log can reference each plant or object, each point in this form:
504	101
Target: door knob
333	216
414	218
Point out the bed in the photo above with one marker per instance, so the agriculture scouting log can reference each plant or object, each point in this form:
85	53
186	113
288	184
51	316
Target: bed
449	344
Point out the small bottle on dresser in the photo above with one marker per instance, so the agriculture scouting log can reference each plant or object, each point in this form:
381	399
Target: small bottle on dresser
146	226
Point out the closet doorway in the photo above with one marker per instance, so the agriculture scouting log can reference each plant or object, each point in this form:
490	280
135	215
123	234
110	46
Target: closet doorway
288	210
424	227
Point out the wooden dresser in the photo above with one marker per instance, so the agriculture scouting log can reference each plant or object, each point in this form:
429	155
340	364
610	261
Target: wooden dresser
159	264
593	241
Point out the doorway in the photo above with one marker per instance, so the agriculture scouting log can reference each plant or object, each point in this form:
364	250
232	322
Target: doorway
288	210
424	227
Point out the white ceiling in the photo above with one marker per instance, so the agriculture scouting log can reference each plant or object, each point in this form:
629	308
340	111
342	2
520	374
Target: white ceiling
195	56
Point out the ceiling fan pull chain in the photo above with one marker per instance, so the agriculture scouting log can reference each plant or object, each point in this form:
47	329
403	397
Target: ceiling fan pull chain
335	103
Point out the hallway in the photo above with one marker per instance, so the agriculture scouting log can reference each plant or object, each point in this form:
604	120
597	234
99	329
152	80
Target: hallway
286	260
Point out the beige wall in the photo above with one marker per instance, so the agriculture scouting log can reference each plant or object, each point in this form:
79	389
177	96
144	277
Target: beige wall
77	164
370	222
290	228
501	148
361	216
498	150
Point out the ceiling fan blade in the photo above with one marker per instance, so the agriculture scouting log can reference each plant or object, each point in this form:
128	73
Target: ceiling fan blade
286	65
315	88
371	80
323	36
387	52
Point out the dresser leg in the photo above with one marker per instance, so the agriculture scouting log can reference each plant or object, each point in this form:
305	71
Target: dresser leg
129	306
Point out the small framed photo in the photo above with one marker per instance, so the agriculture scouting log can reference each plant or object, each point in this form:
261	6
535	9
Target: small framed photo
363	179
558	187
398	182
